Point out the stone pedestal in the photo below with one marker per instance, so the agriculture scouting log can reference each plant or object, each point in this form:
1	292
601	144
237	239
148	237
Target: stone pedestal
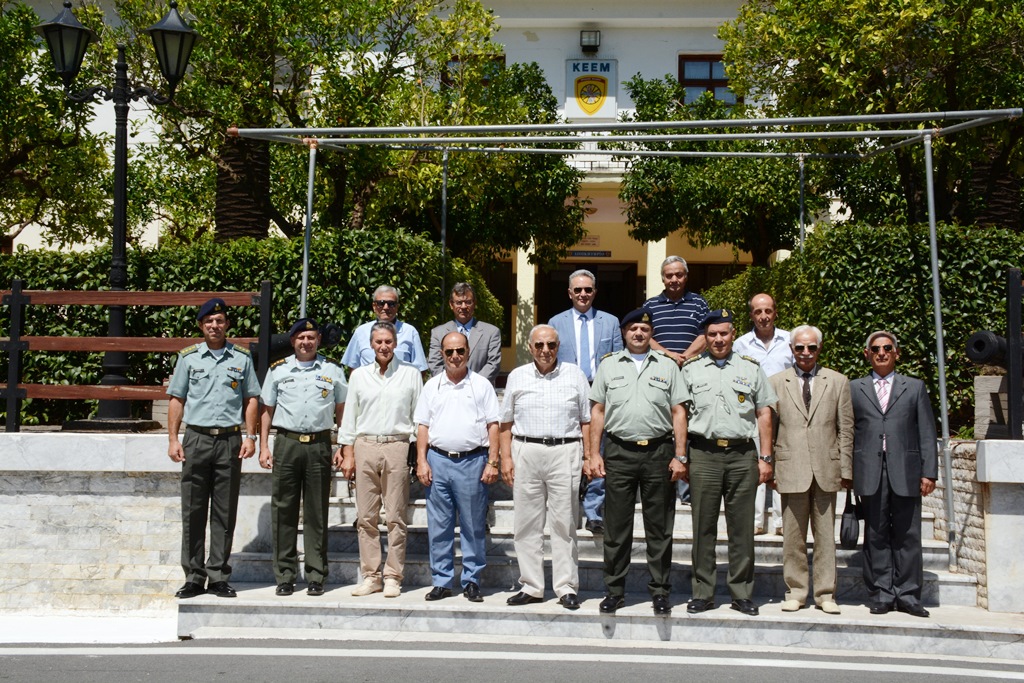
1001	468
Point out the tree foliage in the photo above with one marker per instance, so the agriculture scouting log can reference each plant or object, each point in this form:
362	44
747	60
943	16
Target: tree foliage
851	279
750	203
53	170
846	57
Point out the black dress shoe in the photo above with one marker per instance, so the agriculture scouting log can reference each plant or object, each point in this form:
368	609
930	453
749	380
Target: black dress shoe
569	601
914	609
880	607
284	589
744	606
222	589
595	526
190	590
661	605
315	588
520	598
698	605
438	593
472	592
612	603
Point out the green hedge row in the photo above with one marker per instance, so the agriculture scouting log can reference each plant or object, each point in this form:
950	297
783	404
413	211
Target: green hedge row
852	279
345	268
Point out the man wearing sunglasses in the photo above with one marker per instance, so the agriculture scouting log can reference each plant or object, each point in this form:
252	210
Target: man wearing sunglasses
485	338
769	346
589	335
456	458
385	306
895	463
813	456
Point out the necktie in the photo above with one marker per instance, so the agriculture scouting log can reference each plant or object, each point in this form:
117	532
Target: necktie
882	390
585	363
807	390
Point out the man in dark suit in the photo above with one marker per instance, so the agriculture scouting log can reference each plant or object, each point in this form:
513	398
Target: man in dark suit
895	463
587	335
484	338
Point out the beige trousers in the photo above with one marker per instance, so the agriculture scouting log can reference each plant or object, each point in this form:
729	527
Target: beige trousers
819	508
382	476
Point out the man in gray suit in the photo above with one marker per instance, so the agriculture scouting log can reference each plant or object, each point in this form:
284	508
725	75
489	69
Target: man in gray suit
587	336
813	456
895	463
484	338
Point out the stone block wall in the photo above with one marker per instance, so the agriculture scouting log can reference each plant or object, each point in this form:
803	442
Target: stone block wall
968	511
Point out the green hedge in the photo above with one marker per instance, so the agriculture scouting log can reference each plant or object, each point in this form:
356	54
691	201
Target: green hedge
345	268
852	279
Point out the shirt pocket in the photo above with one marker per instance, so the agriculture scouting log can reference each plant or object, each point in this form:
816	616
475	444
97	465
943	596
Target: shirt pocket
742	401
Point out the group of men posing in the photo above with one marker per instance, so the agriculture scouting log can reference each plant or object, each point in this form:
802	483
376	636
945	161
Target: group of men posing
662	398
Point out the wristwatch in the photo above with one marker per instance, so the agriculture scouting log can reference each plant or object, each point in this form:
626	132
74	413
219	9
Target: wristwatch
766	459
681	458
251	437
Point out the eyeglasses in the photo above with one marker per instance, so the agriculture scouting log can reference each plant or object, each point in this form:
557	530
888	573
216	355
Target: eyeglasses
385	303
552	345
799	348
451	352
577	290
884	347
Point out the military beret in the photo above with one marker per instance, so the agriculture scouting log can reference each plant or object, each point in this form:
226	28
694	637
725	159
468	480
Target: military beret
303	325
721	315
640	315
212	306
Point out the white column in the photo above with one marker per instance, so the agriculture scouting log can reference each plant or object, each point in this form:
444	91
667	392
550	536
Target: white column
656	253
526	299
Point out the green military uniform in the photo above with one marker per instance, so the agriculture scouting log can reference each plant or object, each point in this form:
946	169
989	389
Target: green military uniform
721	399
214	388
638	422
304	397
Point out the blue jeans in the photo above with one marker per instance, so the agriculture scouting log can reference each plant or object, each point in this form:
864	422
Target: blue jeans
456	488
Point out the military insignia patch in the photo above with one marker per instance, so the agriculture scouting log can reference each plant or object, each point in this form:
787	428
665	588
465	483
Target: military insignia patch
741	397
234	384
324	393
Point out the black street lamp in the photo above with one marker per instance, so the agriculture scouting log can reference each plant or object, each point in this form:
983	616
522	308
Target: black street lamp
67	39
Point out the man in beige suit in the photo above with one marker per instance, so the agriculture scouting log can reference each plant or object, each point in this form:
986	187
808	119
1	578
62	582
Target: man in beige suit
813	459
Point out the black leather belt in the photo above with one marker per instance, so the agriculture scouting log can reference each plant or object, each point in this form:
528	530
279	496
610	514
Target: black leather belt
704	442
456	455
313	437
216	431
642	443
547	440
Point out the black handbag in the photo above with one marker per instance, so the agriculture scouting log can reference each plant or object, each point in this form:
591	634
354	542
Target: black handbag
849	526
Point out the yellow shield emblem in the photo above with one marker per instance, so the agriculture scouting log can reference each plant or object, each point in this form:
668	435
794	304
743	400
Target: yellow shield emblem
590	93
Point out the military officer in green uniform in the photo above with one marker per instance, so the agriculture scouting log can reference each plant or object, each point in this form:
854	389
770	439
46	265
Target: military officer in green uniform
637	399
728	400
303	397
214	390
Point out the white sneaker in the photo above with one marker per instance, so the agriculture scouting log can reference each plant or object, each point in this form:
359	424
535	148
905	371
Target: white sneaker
369	586
392	588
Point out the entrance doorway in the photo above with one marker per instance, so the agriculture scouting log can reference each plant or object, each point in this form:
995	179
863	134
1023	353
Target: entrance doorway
619	288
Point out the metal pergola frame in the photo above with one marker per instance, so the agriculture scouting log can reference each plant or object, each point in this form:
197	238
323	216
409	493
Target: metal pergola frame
533	138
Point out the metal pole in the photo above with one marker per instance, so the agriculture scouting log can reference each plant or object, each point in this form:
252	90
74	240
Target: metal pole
309	228
803	233
115	363
1014	357
947	458
444	228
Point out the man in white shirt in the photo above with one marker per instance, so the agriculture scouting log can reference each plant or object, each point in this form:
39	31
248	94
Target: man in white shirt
769	346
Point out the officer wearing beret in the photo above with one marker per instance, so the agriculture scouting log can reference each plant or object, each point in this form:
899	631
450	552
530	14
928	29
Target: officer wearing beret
637	399
303	397
214	391
728	400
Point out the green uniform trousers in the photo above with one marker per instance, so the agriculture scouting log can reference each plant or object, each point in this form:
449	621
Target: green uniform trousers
210	479
629	468
717	473
301	471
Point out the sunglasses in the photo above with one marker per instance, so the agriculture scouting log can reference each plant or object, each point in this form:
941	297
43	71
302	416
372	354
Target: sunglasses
451	352
799	348
577	290
385	303
540	345
884	347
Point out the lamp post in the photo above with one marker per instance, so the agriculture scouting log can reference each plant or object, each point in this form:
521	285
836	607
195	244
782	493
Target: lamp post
67	39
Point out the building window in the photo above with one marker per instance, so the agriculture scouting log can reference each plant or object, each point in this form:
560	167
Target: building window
704	73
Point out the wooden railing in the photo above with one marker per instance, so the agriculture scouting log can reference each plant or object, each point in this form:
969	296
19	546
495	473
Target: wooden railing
16	344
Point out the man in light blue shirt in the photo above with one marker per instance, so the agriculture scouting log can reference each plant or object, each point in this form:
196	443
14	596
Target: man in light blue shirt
385	306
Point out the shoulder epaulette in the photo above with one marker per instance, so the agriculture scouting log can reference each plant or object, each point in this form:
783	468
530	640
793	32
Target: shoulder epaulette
752	360
277	362
241	349
690	360
188	349
607	354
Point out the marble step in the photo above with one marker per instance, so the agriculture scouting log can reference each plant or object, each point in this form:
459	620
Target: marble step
501	573
258	613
